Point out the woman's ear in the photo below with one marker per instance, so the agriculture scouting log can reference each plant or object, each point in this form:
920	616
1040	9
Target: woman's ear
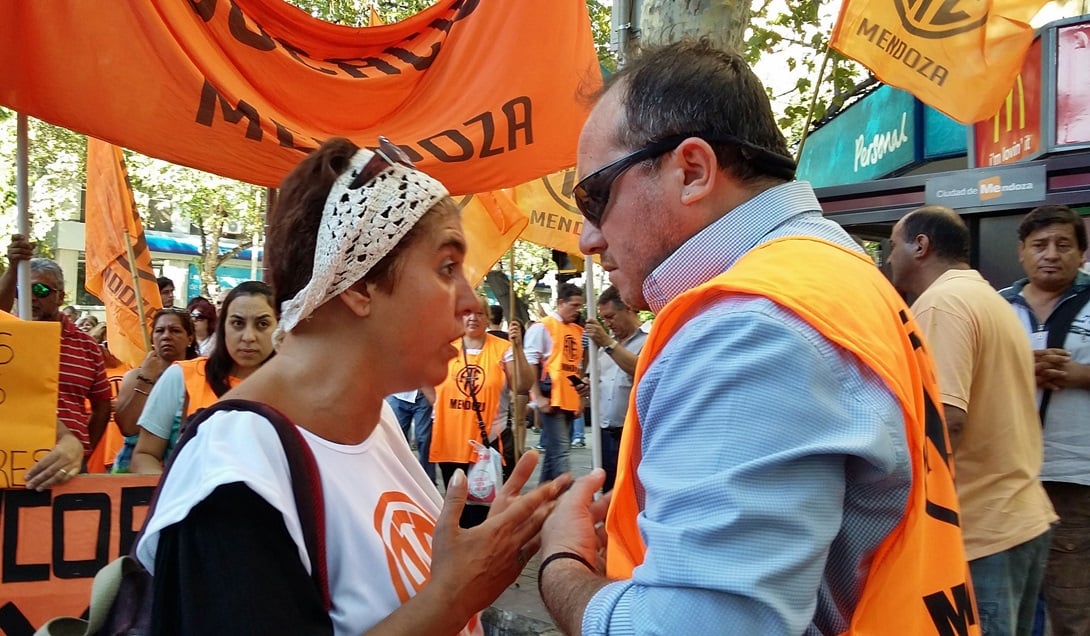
358	299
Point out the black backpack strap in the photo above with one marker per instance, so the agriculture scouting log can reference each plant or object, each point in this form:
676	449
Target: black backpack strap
1058	324
306	481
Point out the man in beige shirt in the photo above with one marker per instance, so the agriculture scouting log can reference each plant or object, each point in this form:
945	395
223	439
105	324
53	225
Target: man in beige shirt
985	373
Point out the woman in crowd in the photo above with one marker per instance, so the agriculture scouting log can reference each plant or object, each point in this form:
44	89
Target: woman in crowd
243	343
472	403
358	242
203	314
172	340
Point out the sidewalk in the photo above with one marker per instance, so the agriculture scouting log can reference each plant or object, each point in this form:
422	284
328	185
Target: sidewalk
519	611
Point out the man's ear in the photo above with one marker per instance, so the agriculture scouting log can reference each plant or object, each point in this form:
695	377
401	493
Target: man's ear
699	166
921	246
358	299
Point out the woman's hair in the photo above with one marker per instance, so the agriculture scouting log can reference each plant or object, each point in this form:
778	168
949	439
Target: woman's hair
293	226
204	307
187	324
218	368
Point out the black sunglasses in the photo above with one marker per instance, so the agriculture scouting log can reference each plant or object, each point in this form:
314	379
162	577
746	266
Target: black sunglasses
41	290
387	154
592	192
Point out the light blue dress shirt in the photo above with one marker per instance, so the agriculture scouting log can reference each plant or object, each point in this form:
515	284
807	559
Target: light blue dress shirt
774	463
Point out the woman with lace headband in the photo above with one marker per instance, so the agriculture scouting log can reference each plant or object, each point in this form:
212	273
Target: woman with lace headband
360	244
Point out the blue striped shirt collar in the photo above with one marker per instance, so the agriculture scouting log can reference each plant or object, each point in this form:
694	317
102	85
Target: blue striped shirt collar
716	248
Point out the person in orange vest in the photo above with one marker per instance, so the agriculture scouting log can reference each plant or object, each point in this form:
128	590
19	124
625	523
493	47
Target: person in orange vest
784	466
555	347
243	344
472	403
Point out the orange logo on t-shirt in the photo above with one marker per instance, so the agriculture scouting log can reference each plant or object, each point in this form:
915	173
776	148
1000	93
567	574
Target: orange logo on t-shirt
406	531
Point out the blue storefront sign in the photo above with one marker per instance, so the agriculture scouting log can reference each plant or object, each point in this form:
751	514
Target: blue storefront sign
880	135
227	277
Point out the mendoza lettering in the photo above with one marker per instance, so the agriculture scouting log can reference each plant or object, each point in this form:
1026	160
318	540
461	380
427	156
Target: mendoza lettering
899	50
392	61
478	136
554	221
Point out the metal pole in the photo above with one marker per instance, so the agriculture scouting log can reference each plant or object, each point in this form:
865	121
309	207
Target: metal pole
518	407
592	368
23	203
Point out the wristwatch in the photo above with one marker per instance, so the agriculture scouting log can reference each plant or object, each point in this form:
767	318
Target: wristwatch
610	347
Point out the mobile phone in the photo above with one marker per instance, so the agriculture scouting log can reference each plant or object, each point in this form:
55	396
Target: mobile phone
576	381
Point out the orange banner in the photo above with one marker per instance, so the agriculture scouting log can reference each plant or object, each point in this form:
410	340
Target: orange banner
958	57
492	222
55	541
111	221
481	94
30	354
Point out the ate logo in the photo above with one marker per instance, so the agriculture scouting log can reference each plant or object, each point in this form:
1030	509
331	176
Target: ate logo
470	380
570	350
937	19
559	185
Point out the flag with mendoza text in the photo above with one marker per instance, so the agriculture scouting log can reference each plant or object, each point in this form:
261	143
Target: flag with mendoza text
555	221
958	56
491	222
114	232
480	94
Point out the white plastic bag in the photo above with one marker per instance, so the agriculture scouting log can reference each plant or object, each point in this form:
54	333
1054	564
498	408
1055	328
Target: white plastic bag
485	475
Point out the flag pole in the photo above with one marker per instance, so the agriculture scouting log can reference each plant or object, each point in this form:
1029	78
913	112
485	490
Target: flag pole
136	286
592	368
23	204
518	417
813	102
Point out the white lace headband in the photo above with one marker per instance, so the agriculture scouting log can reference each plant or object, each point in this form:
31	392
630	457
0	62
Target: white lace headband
359	226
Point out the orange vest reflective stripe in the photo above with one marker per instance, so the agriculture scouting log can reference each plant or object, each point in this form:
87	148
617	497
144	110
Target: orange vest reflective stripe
455	421
564	360
918	581
198	393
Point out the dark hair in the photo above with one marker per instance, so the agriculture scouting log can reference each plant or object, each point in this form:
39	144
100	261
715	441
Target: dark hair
495	314
691	87
947	232
204	307
164	282
612	295
187	324
566	291
1045	215
218	368
293	226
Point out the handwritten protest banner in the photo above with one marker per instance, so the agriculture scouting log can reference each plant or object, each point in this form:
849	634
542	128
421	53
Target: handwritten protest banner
53	542
29	373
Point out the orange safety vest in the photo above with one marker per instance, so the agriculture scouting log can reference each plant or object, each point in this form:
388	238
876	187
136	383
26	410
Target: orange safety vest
564	360
455	421
918	581
198	393
112	440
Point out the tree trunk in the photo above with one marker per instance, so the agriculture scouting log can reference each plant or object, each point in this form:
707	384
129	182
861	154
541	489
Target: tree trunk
724	22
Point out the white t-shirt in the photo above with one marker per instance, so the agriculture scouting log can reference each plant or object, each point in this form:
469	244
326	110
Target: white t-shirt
380	507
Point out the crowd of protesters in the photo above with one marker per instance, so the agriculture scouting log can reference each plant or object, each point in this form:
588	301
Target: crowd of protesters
790	448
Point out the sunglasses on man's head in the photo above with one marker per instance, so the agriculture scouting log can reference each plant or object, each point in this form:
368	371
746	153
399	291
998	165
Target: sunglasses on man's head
41	290
387	154
592	192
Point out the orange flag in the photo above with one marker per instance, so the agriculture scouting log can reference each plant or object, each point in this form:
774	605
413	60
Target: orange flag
112	222
958	56
554	220
492	222
481	94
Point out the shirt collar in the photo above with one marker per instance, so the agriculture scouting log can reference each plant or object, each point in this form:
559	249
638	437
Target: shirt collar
716	248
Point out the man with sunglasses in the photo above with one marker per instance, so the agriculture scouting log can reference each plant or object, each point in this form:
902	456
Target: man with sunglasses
82	369
782	464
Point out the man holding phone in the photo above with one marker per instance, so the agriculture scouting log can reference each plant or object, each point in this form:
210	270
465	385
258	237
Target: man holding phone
617	355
